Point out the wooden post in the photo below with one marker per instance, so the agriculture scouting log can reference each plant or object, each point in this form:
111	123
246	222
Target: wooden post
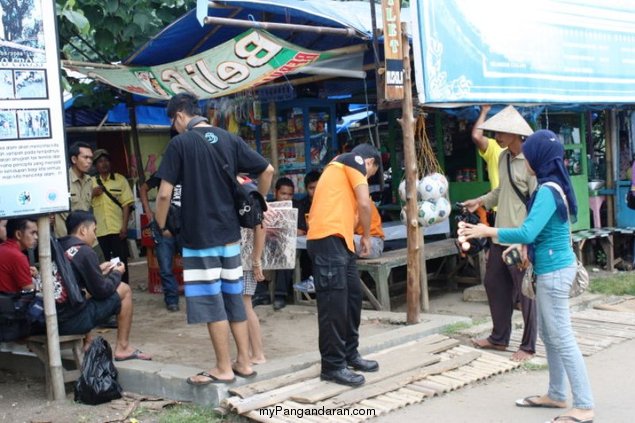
53	343
612	137
273	139
407	123
134	133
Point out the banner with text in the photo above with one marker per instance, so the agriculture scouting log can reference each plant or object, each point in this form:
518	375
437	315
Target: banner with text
253	58
550	51
33	171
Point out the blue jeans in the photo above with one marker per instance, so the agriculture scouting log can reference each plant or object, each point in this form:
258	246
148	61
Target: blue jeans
554	326
165	248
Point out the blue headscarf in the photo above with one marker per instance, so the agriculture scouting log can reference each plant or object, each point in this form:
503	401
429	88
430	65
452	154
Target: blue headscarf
545	155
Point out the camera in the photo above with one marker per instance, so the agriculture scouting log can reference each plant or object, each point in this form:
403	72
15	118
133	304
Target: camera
513	257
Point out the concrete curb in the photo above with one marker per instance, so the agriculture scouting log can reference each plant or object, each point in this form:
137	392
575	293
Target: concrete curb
168	380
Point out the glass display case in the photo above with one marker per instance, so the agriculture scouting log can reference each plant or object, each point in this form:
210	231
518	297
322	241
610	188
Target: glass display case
571	130
306	137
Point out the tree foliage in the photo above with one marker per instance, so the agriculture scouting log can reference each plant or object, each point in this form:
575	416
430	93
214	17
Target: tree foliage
105	31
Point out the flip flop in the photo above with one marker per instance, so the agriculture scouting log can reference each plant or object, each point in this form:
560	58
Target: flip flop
245	375
529	403
210	379
571	419
136	355
488	345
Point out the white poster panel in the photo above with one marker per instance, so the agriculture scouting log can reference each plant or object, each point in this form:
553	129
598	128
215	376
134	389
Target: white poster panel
33	169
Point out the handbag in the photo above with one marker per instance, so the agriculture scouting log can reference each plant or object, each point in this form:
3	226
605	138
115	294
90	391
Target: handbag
630	199
528	286
581	279
250	205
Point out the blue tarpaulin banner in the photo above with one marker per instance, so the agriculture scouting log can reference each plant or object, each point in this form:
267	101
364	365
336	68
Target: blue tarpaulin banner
544	51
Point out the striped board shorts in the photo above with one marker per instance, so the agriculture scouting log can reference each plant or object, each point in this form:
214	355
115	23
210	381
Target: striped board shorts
213	279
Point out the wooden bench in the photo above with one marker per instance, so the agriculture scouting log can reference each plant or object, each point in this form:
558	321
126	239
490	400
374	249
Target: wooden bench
605	239
380	268
71	346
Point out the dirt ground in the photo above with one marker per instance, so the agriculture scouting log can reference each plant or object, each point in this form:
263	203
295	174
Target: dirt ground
169	339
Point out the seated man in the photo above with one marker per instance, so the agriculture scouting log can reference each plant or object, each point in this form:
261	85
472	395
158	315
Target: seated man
108	296
15	276
376	234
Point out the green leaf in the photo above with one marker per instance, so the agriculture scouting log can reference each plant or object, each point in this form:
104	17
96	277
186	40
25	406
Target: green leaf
78	20
111	6
142	20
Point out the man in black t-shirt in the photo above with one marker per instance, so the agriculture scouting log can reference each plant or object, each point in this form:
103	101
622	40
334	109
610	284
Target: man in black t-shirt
205	161
165	243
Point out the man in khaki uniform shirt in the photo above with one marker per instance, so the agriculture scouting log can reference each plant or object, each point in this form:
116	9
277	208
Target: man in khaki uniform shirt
503	282
81	183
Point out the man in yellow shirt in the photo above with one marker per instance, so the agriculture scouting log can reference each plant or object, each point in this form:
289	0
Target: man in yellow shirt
111	207
488	148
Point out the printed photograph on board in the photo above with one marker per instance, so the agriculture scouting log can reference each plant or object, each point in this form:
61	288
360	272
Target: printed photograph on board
34	124
30	84
8	125
6	84
21	33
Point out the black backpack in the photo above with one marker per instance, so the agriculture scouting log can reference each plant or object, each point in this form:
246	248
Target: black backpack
66	288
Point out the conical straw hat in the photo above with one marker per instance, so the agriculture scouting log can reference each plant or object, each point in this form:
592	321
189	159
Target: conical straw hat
507	120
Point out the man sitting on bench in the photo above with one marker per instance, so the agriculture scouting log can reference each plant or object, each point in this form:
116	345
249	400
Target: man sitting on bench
108	296
15	275
376	234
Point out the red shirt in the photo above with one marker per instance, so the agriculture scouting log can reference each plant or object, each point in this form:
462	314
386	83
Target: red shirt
14	268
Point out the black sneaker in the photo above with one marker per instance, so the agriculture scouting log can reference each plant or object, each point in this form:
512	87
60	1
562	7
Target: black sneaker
362	365
172	307
343	377
256	301
279	304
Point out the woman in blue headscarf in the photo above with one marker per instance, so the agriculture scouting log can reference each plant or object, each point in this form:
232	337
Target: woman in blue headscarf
546	232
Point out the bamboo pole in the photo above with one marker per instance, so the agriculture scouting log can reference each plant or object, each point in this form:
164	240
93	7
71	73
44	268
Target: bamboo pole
407	123
52	335
132	112
345	32
273	139
612	138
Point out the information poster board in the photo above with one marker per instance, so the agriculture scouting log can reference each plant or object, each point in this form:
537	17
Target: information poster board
33	169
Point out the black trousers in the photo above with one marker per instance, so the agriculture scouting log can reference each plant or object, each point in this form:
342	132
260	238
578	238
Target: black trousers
339	301
503	288
113	246
284	282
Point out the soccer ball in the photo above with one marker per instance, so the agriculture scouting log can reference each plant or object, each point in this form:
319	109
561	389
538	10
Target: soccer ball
430	189
402	190
442	180
444	208
427	214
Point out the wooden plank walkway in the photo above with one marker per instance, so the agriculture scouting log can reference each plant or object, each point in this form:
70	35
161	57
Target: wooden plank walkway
426	368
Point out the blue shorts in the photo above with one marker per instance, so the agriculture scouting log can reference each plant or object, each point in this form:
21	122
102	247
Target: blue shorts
94	313
213	279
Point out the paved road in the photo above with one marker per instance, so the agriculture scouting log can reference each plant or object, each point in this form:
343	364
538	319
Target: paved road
612	373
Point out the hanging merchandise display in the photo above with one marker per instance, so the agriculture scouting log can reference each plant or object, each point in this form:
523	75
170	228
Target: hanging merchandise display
433	204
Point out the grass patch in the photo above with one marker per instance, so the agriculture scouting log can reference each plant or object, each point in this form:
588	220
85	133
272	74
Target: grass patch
618	284
189	413
532	367
455	327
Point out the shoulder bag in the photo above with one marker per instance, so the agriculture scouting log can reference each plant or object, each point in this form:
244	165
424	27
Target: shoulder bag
250	205
581	279
520	195
630	198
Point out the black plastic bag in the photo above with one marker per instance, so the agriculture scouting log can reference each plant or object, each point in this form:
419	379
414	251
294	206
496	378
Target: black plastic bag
98	382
